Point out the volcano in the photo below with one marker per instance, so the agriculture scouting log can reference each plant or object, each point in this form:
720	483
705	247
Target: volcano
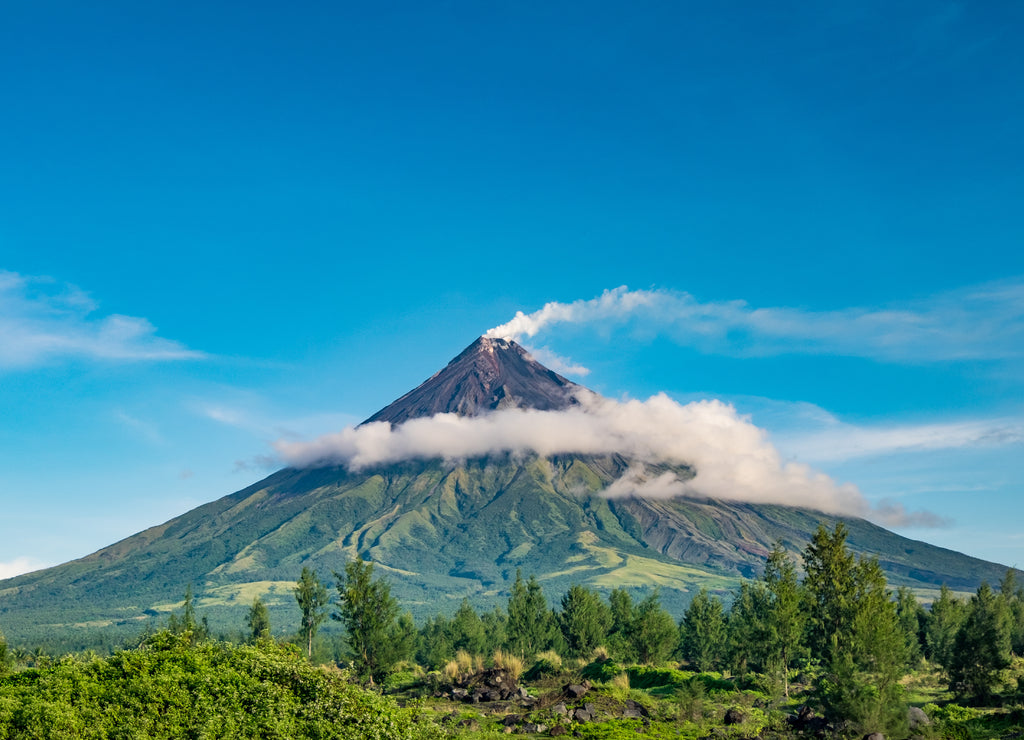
441	531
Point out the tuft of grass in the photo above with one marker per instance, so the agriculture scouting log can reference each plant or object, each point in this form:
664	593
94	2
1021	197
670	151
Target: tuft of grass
511	664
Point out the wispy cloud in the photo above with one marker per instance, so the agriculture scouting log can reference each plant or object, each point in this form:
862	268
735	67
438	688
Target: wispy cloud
732	458
837	441
983	322
20	565
43	321
145	429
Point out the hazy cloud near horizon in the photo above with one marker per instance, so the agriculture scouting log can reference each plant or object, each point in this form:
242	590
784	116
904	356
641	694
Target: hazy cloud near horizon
733	458
984	322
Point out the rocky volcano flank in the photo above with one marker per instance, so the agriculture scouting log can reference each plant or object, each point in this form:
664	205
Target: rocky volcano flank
488	375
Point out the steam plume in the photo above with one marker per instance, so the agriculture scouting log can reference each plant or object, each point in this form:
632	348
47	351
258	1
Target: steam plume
980	322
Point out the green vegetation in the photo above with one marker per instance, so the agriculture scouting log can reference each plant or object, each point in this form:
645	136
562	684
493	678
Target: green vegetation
171	688
835	655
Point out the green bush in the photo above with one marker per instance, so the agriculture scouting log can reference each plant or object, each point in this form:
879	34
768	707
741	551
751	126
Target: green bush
170	689
601	670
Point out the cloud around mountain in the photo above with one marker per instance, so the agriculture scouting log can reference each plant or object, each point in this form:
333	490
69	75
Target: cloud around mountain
733	458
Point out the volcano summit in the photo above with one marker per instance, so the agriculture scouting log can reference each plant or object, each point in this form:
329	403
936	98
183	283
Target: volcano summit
445	526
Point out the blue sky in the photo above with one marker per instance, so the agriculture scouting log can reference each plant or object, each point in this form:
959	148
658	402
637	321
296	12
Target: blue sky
227	224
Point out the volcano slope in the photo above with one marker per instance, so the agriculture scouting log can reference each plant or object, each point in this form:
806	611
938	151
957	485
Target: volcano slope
441	531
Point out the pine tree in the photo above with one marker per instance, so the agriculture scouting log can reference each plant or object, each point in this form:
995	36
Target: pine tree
258	619
620	636
368	611
531	628
702	632
495	629
311	595
584	621
435	646
467	630
786	618
654	633
981	648
944	619
854	628
748	642
1013	596
829	588
910	618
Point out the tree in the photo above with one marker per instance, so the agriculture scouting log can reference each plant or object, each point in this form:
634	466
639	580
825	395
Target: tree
620	636
3	654
981	648
584	621
1013	597
531	628
941	626
854	628
654	634
829	589
467	630
311	595
186	624
748	633
368	611
910	615
258	619
495	628
702	633
785	619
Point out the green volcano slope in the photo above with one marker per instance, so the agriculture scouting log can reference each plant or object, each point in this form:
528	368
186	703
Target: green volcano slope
438	532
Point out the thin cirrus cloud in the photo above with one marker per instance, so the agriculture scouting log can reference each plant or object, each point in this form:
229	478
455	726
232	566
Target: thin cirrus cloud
983	322
838	441
42	321
732	458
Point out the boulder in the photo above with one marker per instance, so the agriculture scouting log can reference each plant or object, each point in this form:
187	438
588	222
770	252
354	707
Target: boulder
733	716
531	728
917	719
560	708
874	736
576	691
582	715
558	730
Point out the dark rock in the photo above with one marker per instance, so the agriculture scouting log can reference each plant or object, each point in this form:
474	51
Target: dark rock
558	730
511	719
459	694
575	690
469	724
531	728
733	716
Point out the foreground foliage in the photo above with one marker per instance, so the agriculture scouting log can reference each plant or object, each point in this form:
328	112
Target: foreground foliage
171	688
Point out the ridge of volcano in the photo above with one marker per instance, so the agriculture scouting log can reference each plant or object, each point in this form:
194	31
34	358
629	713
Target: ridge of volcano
441	531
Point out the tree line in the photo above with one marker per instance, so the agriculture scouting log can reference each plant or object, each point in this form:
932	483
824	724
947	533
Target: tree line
838	623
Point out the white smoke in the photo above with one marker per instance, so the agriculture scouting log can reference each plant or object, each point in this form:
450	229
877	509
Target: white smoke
980	322
733	459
